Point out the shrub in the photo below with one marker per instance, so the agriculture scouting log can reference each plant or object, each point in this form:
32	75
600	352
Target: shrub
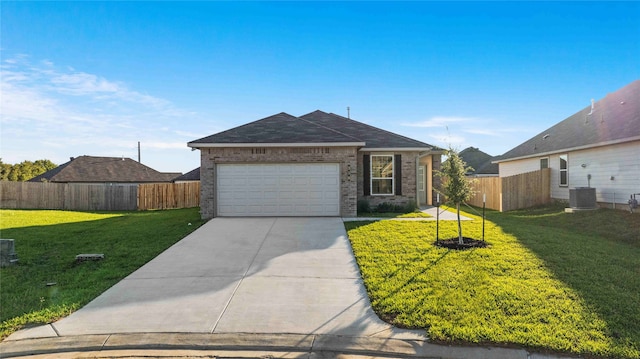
411	206
364	206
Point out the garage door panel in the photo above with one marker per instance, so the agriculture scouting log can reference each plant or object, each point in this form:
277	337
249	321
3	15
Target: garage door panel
271	195
316	195
331	195
330	181
314	181
301	181
287	181
278	189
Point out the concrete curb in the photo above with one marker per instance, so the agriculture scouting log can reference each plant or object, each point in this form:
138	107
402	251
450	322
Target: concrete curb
247	345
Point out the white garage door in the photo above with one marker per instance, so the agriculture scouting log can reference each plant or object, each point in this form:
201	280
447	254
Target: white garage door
278	189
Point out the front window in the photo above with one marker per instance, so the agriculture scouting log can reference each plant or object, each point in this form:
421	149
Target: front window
564	170
382	174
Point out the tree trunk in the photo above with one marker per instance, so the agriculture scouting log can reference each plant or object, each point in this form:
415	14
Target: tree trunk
460	240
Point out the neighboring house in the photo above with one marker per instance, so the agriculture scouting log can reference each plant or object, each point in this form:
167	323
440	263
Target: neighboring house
319	164
191	176
597	147
481	162
114	170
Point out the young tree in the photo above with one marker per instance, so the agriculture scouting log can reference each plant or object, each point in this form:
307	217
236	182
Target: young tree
456	187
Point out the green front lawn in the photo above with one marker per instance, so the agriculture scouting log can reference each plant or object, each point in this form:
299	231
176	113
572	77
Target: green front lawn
48	284
415	214
548	281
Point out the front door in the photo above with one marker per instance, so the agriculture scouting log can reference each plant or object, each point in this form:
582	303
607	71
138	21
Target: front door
422	185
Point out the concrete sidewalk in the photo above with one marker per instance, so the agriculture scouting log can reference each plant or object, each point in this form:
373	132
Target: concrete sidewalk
241	345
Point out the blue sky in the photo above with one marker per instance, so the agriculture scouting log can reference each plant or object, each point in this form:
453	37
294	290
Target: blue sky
94	78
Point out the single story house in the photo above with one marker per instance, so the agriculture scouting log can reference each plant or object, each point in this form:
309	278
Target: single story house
319	164
481	162
113	170
191	176
598	147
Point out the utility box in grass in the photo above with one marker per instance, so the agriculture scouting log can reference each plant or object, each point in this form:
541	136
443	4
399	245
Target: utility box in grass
8	254
582	198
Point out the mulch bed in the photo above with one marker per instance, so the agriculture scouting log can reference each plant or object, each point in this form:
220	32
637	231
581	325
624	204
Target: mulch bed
452	243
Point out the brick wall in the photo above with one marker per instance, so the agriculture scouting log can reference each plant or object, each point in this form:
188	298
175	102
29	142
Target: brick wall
345	156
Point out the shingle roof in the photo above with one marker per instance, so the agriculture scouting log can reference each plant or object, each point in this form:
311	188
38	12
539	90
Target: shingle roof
373	137
615	118
279	128
315	127
479	161
193	175
103	170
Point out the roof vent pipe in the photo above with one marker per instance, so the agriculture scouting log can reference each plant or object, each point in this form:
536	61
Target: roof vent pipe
592	106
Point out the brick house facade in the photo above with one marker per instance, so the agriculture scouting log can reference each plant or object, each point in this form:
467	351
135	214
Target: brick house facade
345	156
319	138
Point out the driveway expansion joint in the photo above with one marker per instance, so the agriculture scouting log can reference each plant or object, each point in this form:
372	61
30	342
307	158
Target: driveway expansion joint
53	327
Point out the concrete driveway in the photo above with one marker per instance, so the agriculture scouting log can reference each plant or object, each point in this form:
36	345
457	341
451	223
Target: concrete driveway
239	275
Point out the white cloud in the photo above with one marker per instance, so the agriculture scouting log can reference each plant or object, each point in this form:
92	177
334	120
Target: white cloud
440	121
56	112
482	131
165	145
83	84
190	135
492	130
446	139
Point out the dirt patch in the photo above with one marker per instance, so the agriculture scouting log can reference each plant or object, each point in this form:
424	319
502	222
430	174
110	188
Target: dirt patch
453	243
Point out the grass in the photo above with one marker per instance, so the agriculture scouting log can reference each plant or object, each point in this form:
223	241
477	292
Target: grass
549	280
47	243
416	214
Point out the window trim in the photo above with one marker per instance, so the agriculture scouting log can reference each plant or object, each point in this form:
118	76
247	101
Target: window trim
422	178
565	170
392	178
544	158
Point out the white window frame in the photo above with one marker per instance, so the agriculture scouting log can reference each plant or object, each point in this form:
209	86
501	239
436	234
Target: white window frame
565	170
544	158
392	178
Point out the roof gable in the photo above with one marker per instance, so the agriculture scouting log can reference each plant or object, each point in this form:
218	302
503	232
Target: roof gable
102	170
615	118
193	175
479	161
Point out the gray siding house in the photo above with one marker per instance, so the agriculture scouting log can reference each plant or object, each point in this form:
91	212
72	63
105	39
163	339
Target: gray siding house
598	147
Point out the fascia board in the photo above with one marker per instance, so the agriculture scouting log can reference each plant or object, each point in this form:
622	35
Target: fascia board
244	145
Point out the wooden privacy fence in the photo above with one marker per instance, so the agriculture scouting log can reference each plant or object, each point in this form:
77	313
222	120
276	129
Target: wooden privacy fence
489	186
168	195
98	197
514	192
